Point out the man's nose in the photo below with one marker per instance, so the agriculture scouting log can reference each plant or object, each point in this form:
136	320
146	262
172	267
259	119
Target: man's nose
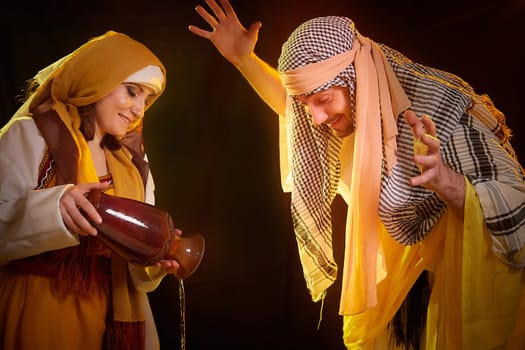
319	116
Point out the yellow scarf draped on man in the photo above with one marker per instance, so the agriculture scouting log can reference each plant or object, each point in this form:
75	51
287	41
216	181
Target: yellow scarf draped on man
476	300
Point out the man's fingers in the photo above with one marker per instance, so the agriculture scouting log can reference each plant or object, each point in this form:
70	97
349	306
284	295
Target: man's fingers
431	142
217	10
206	16
230	12
430	127
200	32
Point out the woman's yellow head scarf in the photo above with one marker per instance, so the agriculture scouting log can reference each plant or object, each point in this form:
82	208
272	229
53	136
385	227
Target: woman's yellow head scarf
82	78
92	71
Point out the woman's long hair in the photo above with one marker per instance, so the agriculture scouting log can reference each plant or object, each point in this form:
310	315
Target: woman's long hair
87	117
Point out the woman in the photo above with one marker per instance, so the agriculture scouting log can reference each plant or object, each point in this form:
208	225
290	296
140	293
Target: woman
80	130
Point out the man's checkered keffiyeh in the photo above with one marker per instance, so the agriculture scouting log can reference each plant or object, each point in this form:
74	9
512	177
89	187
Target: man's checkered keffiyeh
471	145
315	149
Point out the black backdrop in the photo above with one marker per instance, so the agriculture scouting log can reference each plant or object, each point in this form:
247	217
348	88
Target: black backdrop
213	144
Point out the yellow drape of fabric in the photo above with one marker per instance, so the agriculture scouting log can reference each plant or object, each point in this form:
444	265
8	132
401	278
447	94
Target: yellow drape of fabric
404	264
31	292
375	111
477	301
127	183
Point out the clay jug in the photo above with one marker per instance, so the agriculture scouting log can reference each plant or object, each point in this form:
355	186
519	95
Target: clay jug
144	234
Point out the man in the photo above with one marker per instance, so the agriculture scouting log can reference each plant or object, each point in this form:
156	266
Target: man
425	165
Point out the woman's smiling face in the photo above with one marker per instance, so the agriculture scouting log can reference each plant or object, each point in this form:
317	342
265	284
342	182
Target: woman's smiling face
120	111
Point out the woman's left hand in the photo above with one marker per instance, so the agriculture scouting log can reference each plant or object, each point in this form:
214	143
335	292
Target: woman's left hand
170	265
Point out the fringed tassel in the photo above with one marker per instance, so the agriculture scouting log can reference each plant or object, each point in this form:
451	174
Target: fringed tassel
73	270
321	310
503	132
125	336
408	323
78	271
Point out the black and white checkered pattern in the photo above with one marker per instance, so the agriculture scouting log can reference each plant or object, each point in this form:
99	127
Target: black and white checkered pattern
476	148
315	149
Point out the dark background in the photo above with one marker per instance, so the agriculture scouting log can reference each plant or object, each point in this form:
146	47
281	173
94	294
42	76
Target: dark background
213	144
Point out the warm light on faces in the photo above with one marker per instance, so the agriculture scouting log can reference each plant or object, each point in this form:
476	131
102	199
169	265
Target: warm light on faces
331	107
119	112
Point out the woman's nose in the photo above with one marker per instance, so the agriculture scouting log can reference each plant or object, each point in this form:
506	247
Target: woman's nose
138	110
